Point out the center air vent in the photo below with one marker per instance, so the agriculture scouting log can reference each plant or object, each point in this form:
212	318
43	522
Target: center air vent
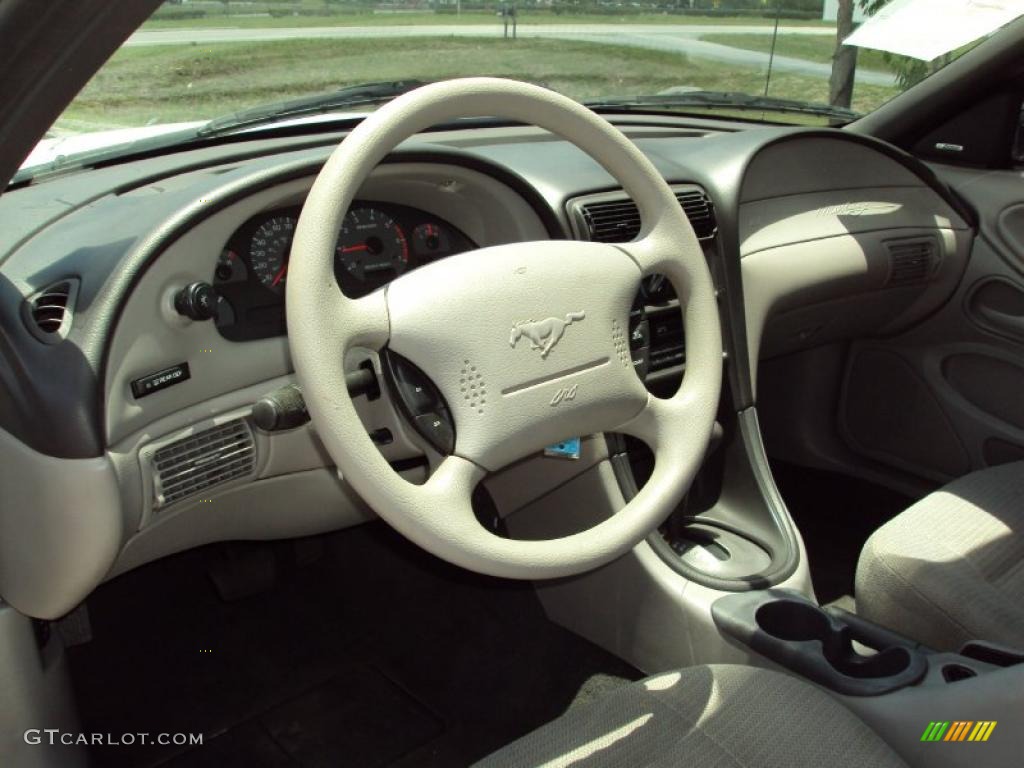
911	261
193	464
613	218
48	313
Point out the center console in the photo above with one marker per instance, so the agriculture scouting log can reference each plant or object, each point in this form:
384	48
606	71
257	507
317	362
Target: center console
834	649
912	695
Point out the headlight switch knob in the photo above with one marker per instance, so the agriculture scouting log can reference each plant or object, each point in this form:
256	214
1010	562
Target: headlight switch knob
196	301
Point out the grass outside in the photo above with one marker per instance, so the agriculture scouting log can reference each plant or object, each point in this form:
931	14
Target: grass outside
809	47
174	83
369	18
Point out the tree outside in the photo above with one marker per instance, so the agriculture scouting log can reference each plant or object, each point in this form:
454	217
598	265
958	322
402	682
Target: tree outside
908	71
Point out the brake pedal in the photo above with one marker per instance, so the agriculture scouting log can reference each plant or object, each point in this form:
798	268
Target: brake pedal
244	570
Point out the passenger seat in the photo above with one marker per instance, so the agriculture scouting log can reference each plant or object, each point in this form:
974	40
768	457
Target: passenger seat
951	567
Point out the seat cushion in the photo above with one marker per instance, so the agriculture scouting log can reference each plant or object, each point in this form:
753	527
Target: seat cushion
951	567
704	717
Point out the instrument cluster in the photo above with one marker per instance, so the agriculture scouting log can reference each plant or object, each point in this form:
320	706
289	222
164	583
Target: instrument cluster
377	243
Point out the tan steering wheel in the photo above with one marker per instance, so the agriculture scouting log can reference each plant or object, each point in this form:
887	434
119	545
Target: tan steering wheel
500	332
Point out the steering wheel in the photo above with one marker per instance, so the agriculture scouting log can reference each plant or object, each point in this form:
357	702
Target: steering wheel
526	343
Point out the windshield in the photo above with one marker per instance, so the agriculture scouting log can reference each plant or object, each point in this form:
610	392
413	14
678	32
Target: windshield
199	60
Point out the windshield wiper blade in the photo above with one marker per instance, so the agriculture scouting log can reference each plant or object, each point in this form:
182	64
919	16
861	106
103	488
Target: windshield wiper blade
353	96
725	100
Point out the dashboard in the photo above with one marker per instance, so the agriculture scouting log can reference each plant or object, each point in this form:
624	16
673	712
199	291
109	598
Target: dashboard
377	243
805	236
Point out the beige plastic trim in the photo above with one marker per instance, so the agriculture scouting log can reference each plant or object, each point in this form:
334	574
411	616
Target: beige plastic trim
35	694
285	506
306	488
60	528
814	215
812	292
637	607
522	483
151	336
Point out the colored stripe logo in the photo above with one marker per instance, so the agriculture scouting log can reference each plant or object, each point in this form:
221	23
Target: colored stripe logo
959	730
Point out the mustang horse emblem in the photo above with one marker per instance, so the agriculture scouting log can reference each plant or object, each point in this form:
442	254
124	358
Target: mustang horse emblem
544	334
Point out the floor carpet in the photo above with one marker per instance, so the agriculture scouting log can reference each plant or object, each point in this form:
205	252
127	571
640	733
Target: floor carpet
361	650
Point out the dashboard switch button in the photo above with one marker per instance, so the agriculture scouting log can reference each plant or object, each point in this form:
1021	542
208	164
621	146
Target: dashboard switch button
420	401
415	390
641	361
640	335
437	428
154	382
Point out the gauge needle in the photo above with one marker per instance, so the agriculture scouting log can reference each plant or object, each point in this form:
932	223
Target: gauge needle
354	248
279	276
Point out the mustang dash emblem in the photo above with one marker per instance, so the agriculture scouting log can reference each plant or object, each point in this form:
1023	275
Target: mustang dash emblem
544	334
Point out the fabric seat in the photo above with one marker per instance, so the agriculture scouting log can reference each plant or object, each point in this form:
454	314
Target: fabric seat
704	717
951	567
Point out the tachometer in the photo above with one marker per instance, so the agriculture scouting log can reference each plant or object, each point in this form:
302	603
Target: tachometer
268	251
372	250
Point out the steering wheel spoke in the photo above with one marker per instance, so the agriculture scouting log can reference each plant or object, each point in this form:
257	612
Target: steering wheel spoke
644	426
662	421
366	321
649	252
452	483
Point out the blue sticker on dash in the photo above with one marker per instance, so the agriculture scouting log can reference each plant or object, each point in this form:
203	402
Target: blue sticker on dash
567	449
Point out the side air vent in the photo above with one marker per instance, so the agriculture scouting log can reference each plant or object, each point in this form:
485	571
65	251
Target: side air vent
911	261
193	464
48	313
615	219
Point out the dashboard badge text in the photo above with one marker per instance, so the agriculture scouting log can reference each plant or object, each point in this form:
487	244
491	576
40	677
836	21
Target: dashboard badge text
564	394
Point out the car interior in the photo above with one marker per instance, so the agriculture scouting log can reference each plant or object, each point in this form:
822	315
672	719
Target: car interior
486	429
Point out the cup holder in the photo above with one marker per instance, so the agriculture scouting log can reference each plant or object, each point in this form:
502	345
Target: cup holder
796	621
792	620
801	636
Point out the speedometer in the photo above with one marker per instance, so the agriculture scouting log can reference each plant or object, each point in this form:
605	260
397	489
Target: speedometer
371	251
269	249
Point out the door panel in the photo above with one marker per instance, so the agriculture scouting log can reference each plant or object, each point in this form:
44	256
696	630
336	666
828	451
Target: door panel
947	397
1010	227
997	305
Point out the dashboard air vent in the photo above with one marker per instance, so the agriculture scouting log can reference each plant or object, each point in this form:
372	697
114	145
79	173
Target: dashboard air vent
910	261
697	208
200	461
48	312
617	220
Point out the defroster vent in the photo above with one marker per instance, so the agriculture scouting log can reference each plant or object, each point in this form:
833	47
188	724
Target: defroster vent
615	219
203	460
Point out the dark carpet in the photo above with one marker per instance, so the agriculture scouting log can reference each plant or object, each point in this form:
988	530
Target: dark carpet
367	652
835	514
